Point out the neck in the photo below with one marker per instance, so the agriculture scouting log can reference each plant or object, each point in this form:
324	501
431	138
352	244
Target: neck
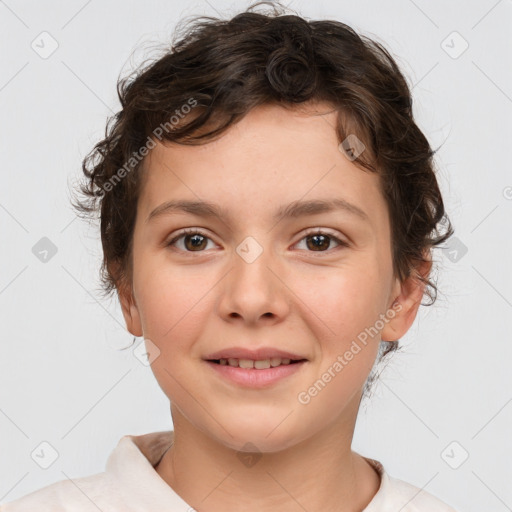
320	473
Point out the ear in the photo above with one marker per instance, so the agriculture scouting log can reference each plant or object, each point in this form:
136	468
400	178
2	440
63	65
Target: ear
405	305
129	308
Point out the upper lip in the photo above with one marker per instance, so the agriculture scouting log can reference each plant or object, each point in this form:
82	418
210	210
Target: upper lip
259	354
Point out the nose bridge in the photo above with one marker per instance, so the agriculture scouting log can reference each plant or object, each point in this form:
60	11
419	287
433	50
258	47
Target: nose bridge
251	261
253	290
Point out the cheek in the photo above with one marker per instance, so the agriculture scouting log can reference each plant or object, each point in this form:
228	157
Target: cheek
346	308
172	303
344	301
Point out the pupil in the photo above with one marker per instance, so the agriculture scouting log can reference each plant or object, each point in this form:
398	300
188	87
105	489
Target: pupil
323	239
196	240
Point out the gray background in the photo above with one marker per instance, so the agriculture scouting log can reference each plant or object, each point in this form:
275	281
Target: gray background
64	380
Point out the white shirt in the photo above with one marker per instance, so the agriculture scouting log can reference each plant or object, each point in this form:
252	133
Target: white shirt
131	484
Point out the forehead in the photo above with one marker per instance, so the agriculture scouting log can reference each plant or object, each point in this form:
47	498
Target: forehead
273	156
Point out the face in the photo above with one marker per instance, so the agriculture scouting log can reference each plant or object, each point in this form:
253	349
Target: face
308	283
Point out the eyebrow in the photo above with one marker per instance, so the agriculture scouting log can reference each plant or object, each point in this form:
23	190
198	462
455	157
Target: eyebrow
292	210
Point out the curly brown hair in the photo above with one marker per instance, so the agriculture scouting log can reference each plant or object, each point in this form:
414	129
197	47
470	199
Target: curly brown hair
217	71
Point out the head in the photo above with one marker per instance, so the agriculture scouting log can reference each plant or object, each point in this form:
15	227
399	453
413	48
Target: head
251	117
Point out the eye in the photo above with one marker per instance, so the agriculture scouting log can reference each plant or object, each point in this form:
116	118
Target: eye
193	239
319	240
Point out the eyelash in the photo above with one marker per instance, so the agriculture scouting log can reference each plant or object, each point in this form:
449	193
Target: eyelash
194	231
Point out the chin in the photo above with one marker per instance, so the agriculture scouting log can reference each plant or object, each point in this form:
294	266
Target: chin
266	435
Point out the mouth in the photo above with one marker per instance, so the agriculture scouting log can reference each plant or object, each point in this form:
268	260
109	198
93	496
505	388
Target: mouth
256	368
257	364
256	373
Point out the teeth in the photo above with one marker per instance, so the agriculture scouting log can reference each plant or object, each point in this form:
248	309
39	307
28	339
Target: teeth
259	365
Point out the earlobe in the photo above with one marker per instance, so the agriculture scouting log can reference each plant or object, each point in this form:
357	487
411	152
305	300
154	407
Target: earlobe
126	298
405	306
130	310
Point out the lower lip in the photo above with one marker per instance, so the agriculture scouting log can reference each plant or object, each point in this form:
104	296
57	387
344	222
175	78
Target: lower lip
253	378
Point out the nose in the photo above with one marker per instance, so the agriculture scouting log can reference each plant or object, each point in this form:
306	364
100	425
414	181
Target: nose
254	291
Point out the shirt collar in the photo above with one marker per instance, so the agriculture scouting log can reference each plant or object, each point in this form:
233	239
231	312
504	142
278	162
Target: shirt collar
132	464
381	499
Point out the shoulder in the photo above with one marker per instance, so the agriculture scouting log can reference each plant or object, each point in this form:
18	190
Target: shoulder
395	494
414	499
90	493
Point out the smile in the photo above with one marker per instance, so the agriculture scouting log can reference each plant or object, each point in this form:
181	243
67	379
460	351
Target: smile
261	364
255	373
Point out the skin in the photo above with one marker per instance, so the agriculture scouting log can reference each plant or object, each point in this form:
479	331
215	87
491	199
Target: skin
311	302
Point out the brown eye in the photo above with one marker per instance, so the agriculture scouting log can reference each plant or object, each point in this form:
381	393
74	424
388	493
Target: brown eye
193	240
319	241
196	241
